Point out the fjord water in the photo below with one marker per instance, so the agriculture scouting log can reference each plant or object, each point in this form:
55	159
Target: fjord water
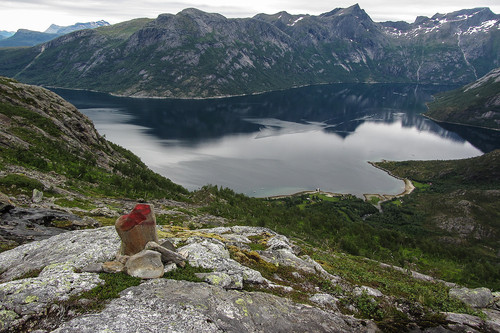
283	142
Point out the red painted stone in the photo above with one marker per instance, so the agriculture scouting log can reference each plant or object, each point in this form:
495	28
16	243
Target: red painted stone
137	216
136	229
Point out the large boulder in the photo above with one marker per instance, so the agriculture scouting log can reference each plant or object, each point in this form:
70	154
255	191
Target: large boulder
78	249
477	298
136	229
28	224
163	305
145	265
27	300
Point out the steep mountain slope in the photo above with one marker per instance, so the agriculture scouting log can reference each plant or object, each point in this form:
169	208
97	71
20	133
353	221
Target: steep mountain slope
475	104
43	134
24	37
198	54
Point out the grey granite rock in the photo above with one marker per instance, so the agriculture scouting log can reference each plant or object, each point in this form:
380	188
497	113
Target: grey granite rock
368	291
325	300
169	267
213	254
93	268
21	300
477	298
168	245
37	196
179	306
145	265
222	280
464	322
77	248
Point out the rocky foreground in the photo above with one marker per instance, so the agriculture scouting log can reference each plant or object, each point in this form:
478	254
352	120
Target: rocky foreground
69	264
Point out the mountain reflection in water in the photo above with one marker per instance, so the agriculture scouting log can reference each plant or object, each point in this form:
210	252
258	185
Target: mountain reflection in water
285	141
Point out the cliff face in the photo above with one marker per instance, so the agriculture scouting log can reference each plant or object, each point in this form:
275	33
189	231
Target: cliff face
476	104
197	54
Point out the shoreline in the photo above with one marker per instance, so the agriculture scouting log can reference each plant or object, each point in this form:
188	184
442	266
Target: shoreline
233	95
329	194
461	124
409	187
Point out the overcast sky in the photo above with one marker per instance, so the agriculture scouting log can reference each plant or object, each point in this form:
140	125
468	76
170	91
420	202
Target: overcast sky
39	14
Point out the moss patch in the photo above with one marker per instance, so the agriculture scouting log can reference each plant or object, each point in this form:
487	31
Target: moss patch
113	285
187	273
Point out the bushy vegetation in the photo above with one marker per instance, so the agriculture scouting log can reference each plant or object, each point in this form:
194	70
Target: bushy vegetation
17	183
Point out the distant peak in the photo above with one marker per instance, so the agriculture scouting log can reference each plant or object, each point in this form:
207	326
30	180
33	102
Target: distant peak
52	29
190	10
352	10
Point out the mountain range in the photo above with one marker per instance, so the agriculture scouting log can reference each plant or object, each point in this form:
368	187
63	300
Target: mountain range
198	54
25	37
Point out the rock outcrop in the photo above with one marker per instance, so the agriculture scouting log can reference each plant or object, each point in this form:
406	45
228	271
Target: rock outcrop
29	224
69	264
160	303
180	306
77	248
477	298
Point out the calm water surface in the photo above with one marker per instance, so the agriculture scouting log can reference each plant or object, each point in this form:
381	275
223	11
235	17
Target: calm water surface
283	142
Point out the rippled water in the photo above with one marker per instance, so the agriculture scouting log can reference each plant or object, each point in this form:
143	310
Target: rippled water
283	142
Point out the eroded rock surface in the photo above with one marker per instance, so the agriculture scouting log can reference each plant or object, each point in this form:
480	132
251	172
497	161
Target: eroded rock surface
213	254
28	224
77	248
179	306
477	298
23	300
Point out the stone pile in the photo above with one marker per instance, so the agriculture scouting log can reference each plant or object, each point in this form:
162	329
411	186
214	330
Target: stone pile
140	254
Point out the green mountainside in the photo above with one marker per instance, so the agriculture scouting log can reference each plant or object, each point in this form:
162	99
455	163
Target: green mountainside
476	104
40	131
198	54
447	228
